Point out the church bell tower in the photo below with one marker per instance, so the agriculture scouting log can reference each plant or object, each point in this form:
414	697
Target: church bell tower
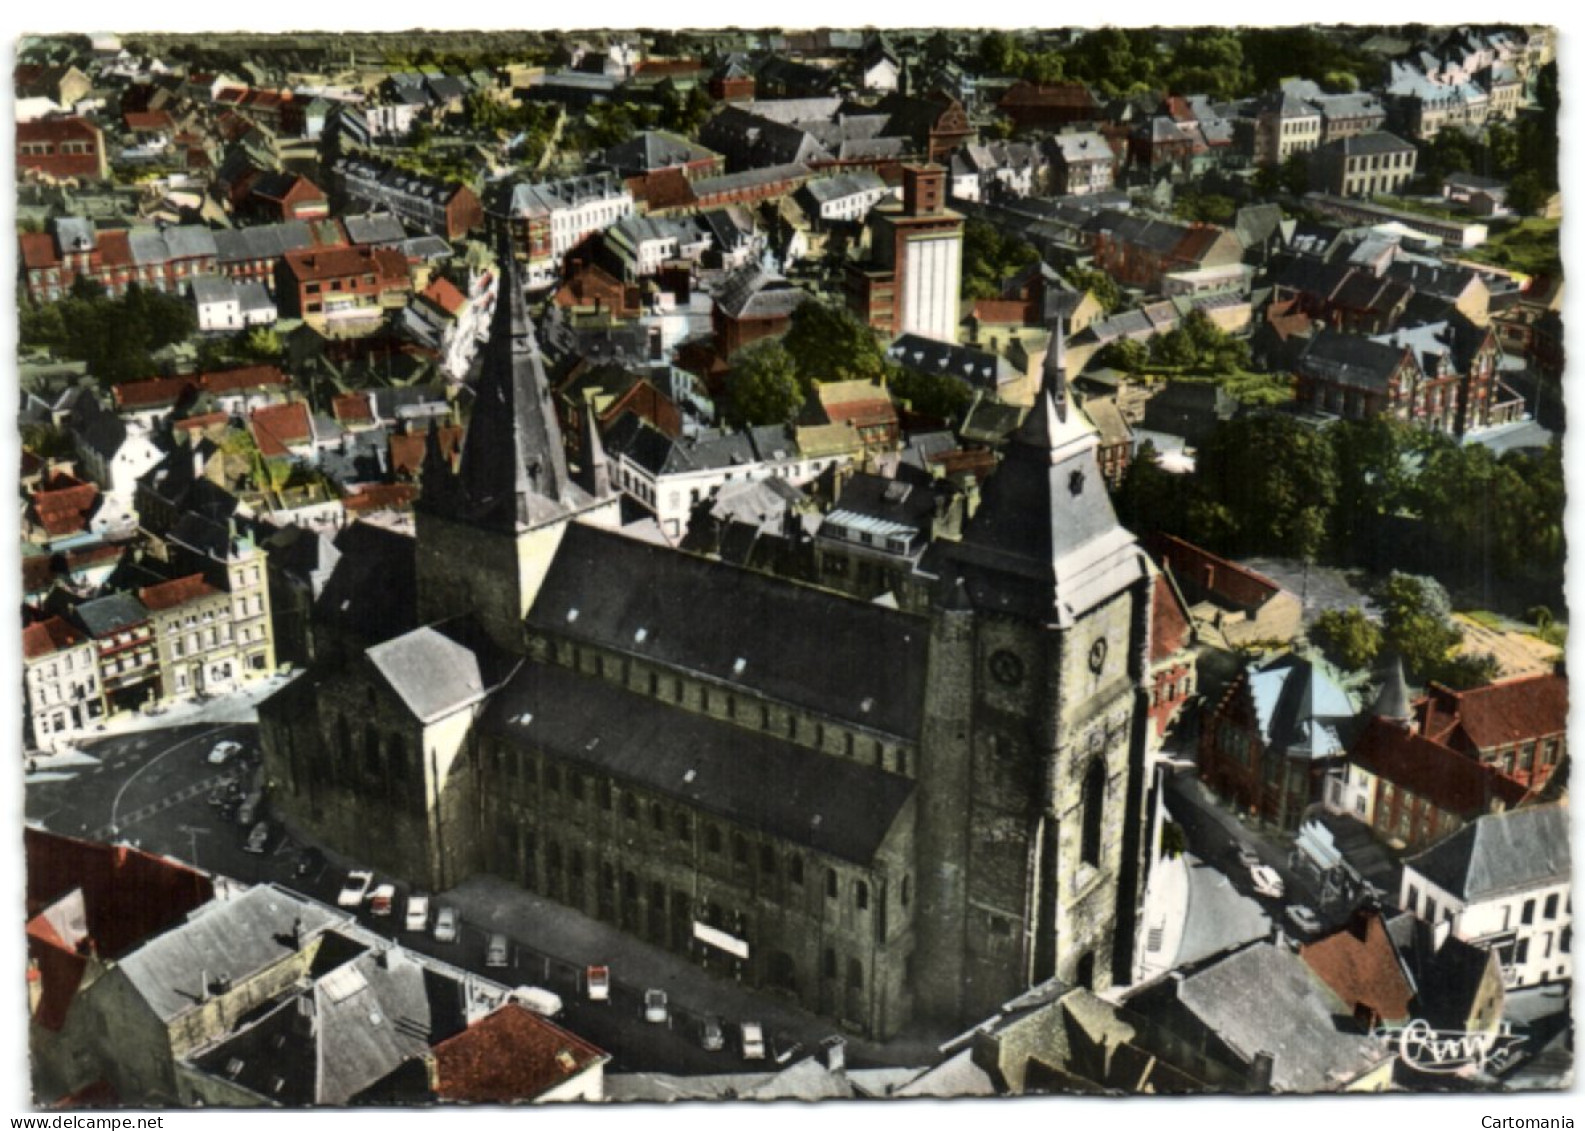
488	526
1032	768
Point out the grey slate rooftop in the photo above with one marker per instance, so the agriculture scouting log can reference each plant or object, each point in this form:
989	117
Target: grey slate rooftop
233	938
1500	853
1264	999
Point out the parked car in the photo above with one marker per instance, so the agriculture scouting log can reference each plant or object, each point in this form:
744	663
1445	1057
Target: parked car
711	1038
383	899
354	888
597	983
655	1009
543	1002
753	1040
223	752
417	913
446	924
249	812
1305	920
495	953
1266	881
309	861
258	839
784	1048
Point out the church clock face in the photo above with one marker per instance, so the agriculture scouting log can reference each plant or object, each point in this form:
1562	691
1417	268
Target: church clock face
1006	668
1098	655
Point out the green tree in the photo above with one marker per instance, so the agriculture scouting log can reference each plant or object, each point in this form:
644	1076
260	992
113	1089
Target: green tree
999	54
1269	471
1526	193
1373	480
1350	639
765	388
1469	670
1126	354
1417	617
1295	175
928	393
1097	283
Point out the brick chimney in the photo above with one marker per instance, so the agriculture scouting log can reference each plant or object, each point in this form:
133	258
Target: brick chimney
924	190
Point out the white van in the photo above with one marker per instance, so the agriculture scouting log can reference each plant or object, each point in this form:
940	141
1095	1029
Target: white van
543	1002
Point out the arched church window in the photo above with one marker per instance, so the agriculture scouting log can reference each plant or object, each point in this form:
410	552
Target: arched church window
1094	802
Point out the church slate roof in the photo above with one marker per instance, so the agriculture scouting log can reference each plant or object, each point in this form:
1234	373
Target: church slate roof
828	804
1045	542
855	661
513	472
433	675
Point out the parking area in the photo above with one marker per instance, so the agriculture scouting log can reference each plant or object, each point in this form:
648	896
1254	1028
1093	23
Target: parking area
161	790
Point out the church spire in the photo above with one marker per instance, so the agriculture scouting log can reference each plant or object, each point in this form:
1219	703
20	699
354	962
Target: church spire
1053	423
513	470
1392	703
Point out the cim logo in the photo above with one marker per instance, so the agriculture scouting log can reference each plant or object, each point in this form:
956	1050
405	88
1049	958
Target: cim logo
1449	1052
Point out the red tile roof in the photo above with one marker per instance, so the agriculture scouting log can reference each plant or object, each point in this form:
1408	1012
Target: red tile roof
155	392
169	594
1447	779
511	1055
199	423
1197	242
63	504
150	121
38	251
1499	714
1169	621
1360	965
407	449
276	427
379	497
664	188
47	637
128	896
352	408
245	377
56	130
309	264
1004	312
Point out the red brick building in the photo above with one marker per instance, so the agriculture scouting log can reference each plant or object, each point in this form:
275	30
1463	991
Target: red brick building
1519	727
1415	790
1278	731
58	149
1172	671
324	286
163	260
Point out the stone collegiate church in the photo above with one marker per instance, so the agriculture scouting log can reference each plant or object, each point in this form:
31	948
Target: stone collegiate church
886	816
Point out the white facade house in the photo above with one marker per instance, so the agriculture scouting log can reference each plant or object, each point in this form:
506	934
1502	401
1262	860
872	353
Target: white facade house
671	477
61	675
559	215
1502	881
847	197
453	321
225	306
